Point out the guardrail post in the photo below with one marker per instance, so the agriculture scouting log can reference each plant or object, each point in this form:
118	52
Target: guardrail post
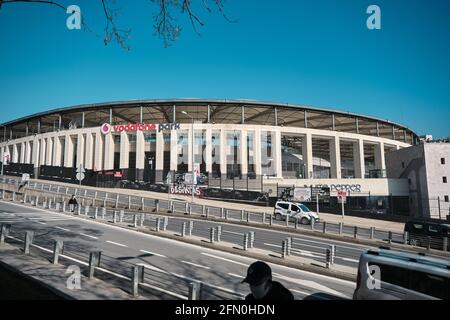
195	289
96	213
157	205
4	232
288	217
49	203
142	219
405	237
183	229
79	210
115	216
428	243
122	213
218	233
390	237
158	224
207	212
92	264
264	218
248	216
117	202
324	225
288	246
191	227
135	221
86	210
57	246
3	194
355	232
242	215
104	203
64	206
57	206
44	203
85	193
333	253
129	202
270	220
328	258
222	213
95	195
245	245
283	249
137	275
212	235
37	201
29	235
186	207
103	213
312	224
445	244
252	239
372	233
142	204
14	196
203	210
165	223
190	209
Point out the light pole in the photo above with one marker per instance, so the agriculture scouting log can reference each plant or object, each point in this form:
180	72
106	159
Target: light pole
192	154
4	139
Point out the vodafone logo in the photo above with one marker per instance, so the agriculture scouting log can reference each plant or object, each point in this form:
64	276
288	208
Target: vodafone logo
105	128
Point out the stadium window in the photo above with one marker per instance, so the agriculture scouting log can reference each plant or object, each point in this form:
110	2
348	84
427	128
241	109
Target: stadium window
442	160
444	179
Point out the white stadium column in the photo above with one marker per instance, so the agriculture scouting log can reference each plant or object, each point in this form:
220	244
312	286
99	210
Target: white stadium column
140	150
89	151
335	158
36	152
43	152
243	153
68	152
159	151
98	152
57	152
48	158
208	150
276	153
257	152
15	154
80	150
28	153
173	150
109	152
223	152
22	152
358	158
307	155
124	150
189	151
379	156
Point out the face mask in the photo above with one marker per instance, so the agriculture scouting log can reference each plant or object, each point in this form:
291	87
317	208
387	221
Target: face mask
260	291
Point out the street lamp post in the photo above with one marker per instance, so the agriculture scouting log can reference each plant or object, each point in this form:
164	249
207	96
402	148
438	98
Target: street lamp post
4	139
192	154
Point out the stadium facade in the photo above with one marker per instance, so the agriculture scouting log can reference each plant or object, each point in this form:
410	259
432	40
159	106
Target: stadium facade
238	144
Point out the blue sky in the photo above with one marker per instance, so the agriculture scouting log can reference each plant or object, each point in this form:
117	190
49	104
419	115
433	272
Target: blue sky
317	53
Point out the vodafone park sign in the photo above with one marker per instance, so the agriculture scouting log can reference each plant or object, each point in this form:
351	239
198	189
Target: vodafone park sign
106	128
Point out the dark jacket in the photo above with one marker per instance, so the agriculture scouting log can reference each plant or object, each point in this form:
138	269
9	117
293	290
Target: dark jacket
277	292
73	201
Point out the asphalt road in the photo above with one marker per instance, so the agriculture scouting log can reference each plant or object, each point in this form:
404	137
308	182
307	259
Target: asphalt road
122	248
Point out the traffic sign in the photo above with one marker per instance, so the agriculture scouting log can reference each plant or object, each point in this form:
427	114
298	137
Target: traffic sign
81	173
342	196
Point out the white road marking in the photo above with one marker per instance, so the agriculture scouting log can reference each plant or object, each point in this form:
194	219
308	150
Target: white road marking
358	248
224	259
232	232
89	236
153	253
63	229
164	291
195	265
301	292
348	259
117	244
40	222
236	275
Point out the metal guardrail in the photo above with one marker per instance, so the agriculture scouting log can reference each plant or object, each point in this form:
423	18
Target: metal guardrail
132	277
114	200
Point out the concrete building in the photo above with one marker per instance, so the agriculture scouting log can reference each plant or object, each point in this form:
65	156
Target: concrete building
427	168
237	144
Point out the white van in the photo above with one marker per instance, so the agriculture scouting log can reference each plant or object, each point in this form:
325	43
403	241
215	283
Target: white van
295	211
392	275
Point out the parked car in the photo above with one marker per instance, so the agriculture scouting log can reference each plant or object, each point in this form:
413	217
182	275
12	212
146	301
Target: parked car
422	232
392	275
295	211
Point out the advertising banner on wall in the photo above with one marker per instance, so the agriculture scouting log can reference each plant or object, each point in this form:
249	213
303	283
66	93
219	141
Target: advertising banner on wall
302	194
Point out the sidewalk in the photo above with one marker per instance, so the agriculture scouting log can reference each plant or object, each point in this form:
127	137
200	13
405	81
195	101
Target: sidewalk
396	227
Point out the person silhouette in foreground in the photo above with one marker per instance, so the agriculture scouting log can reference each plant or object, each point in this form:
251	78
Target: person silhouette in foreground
73	203
259	278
